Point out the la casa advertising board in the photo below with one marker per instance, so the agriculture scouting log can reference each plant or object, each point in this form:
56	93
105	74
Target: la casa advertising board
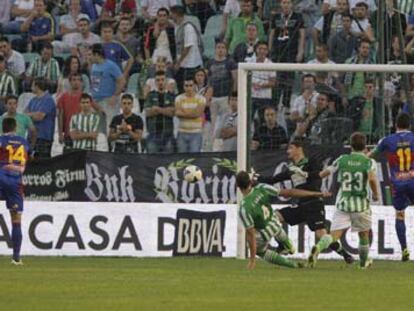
165	230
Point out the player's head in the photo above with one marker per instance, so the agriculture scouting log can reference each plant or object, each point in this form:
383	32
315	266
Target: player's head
358	141
295	148
403	121
243	180
9	125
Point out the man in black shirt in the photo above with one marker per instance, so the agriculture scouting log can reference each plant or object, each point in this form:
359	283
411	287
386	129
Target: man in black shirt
270	135
304	174
286	45
126	129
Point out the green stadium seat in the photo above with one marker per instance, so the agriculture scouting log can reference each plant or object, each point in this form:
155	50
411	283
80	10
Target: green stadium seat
30	57
214	25
209	45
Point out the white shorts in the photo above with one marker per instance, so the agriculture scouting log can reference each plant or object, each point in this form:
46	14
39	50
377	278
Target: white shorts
358	222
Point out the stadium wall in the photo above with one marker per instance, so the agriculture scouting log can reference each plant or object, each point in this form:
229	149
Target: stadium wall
164	230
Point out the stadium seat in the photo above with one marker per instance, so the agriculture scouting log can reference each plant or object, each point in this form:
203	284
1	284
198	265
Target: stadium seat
133	84
213	26
30	57
209	45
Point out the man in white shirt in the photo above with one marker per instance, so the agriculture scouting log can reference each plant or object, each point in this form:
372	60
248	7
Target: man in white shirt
322	57
188	44
151	7
303	104
361	26
14	60
262	81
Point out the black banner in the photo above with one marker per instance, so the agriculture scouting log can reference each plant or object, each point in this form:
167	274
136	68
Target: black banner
110	177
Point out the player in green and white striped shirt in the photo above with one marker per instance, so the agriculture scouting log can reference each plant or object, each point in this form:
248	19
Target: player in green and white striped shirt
261	223
84	125
356	174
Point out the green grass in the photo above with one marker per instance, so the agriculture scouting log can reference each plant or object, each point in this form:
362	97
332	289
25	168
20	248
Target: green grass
200	284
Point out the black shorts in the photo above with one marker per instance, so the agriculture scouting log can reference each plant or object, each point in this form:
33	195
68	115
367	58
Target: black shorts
312	213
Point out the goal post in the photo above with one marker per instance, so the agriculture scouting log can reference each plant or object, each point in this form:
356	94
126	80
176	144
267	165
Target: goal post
244	105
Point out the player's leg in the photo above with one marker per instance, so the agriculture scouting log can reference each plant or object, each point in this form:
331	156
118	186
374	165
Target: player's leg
272	256
340	222
14	202
292	217
363	249
400	202
16	235
362	223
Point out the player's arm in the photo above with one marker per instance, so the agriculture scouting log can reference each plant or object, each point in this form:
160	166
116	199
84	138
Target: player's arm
373	182
298	193
251	240
274	179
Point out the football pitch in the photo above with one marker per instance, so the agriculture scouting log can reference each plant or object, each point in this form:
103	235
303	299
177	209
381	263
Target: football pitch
62	283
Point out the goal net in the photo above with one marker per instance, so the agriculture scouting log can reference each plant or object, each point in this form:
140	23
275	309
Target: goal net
323	103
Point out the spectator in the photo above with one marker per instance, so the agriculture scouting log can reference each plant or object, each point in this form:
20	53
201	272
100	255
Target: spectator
330	23
262	82
160	38
189	109
124	37
84	125
68	22
389	26
203	88
88	7
150	7
188	44
269	135
159	109
312	126
287	45
78	42
44	66
321	57
126	129
245	50
231	10
365	111
287	37
201	9
68	104
20	11
7	84
360	24
344	44
107	83
354	82
14	60
72	66
236	29
304	104
170	84
40	25
42	111
222	77
5	13
24	125
115	51
227	131
113	8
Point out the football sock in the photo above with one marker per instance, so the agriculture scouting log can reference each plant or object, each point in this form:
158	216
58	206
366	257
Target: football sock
363	251
274	258
283	238
400	228
324	242
337	247
17	240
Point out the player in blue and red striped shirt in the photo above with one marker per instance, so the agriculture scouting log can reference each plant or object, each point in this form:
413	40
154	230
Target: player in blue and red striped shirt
399	151
13	157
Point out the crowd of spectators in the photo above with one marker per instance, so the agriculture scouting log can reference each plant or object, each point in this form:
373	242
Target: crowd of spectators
161	75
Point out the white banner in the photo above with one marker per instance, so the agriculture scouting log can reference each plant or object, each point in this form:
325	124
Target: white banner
384	241
165	230
123	229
